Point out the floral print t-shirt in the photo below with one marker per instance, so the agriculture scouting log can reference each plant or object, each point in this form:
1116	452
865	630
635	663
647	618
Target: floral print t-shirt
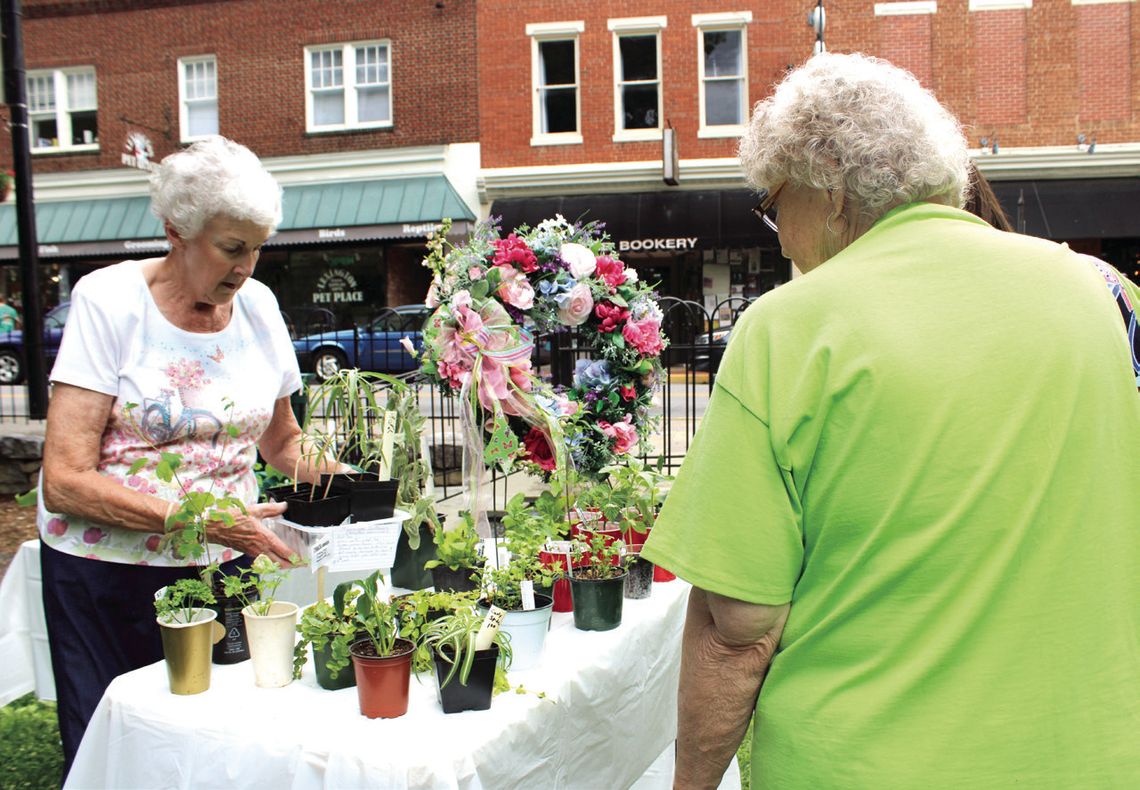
187	388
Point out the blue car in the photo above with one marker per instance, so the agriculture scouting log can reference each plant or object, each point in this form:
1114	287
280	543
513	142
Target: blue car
12	345
375	346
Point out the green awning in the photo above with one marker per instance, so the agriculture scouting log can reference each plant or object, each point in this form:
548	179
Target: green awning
349	211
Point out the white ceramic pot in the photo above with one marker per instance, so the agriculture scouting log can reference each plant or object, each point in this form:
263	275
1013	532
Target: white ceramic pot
271	639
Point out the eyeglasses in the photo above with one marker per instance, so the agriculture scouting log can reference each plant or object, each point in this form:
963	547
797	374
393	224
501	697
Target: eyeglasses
764	210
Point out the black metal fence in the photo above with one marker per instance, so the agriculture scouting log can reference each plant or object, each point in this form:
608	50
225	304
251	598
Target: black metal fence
697	338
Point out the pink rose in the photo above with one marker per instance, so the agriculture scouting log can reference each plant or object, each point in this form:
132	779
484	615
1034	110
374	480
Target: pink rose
516	290
476	273
57	527
623	433
577	306
611	271
645	336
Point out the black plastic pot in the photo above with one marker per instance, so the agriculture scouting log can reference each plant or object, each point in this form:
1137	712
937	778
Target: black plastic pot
345	678
283	493
369	499
444	578
233	647
476	695
408	567
325	512
639	578
597	602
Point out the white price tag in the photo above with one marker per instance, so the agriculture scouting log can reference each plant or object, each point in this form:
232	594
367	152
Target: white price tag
526	586
319	553
560	546
490	627
161	591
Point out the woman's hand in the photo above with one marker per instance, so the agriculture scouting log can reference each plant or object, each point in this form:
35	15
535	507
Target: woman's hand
249	536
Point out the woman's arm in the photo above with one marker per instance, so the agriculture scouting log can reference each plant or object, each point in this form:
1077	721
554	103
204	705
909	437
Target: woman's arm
76	420
282	447
72	484
725	652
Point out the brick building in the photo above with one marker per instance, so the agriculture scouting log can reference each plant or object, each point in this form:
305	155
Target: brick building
364	111
1047	93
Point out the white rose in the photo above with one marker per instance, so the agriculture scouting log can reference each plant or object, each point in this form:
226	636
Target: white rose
630	275
581	261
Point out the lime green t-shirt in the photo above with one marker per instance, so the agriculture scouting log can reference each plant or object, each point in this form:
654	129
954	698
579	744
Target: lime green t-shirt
929	447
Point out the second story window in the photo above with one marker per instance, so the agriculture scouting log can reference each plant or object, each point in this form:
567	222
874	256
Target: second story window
637	78
349	86
198	97
723	74
62	110
554	80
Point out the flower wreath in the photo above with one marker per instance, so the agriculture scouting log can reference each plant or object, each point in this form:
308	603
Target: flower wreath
490	297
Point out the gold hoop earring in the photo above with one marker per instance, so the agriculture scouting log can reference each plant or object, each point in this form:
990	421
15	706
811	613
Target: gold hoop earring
831	230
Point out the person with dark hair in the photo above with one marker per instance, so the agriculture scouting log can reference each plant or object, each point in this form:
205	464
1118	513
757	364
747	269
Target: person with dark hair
910	514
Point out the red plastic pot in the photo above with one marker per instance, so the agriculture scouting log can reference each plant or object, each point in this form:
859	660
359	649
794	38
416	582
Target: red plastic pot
662	575
382	681
563	602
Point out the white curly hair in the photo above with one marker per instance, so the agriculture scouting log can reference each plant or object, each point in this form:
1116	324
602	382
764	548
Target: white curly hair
211	178
859	124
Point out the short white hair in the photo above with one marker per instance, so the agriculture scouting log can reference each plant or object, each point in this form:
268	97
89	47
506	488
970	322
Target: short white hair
212	178
859	124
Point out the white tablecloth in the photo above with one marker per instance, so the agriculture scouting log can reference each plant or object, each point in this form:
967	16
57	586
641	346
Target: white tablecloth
609	713
24	652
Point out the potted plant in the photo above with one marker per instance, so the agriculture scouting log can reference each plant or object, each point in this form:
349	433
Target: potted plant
411	467
269	624
329	629
344	421
633	497
189	630
458	563
416	610
453	641
526	625
597	583
382	660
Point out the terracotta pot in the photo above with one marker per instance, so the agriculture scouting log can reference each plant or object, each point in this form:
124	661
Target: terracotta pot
382	681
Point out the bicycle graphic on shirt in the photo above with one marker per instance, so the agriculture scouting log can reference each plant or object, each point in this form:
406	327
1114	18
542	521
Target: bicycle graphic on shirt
160	428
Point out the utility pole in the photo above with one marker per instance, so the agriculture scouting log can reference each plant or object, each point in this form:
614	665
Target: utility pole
15	96
816	20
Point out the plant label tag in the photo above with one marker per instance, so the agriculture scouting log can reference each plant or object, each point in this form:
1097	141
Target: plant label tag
319	553
559	546
526	587
490	627
161	591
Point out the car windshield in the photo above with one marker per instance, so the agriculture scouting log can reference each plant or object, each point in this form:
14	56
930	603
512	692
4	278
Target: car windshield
393	321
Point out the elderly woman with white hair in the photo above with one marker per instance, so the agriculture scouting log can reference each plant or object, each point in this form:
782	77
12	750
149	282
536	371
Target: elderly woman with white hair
910	512
201	349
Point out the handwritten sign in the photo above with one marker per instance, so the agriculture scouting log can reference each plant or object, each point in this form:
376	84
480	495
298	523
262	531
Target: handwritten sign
363	545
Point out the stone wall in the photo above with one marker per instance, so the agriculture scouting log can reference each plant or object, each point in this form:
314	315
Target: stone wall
21	452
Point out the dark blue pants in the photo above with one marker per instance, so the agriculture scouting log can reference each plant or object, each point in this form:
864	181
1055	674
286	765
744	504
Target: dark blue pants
100	624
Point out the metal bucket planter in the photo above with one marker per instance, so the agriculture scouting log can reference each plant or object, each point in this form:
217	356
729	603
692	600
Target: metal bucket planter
639	575
187	647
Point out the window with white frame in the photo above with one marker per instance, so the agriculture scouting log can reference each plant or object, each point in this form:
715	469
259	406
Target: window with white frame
722	52
198	97
62	110
637	77
554	79
349	86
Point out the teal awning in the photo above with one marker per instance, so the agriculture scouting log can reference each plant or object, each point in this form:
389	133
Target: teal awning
349	211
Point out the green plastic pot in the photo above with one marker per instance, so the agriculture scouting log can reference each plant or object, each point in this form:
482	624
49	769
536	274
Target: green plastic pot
345	678
597	602
408	568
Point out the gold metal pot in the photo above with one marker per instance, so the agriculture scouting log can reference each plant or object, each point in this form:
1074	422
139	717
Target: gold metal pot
187	647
